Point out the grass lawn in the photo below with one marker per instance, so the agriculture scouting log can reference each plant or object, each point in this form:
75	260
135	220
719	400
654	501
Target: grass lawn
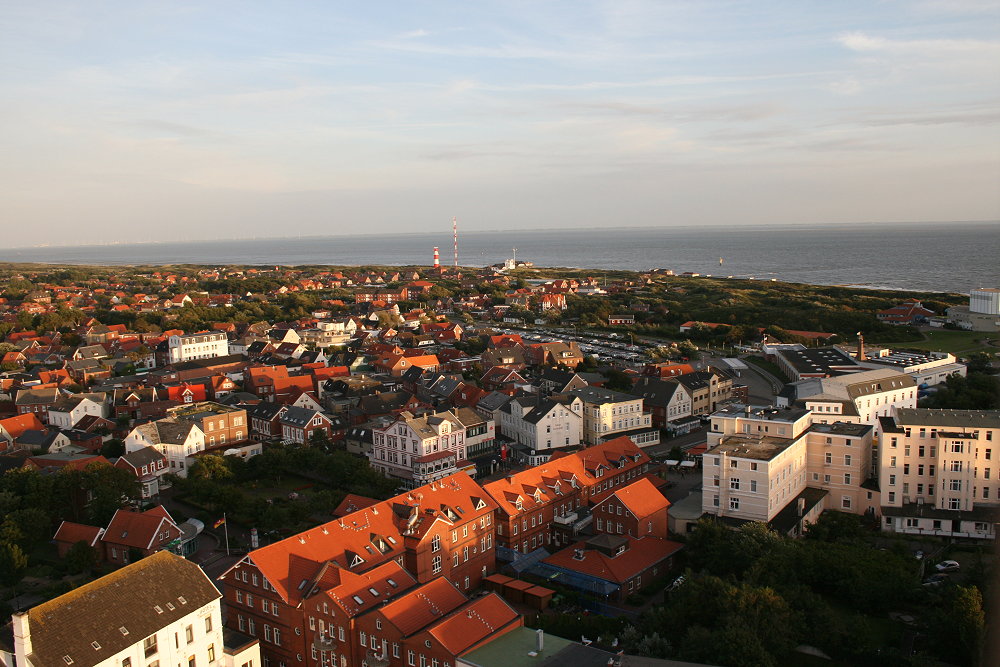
288	484
768	366
955	342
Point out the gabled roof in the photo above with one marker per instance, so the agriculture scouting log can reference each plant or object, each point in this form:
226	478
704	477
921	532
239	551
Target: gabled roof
141	531
369	537
141	598
472	623
16	426
72	533
641	498
555	477
639	555
422	606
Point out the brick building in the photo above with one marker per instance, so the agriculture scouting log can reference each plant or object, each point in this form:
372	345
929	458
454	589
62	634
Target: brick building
444	529
536	503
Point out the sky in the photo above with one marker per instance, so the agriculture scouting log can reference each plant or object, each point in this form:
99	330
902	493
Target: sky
135	121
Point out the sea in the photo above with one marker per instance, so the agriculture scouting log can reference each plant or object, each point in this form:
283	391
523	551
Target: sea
939	257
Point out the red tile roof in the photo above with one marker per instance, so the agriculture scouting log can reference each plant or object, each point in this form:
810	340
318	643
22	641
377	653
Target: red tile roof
641	498
552	479
640	555
16	426
71	533
422	606
473	623
370	536
142	531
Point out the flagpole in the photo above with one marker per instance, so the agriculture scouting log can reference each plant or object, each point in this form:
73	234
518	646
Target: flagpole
225	525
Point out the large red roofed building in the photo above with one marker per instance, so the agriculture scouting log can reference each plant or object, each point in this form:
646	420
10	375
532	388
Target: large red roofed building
538	506
443	529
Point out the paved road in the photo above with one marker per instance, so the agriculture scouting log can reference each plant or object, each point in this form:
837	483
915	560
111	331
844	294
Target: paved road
683	441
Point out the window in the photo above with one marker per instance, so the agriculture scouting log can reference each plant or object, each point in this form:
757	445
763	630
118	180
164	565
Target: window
734	503
753	485
955	485
734	483
954	504
847	459
277	636
436	564
829	458
211	653
436	543
892	480
753	466
845	502
892	498
149	645
189	634
734	464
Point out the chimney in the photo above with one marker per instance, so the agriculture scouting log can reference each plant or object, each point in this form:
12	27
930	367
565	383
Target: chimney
22	635
539	640
861	347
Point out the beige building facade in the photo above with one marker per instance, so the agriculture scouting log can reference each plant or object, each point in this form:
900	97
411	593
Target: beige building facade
939	472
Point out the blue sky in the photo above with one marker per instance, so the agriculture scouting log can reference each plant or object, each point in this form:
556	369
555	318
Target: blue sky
136	120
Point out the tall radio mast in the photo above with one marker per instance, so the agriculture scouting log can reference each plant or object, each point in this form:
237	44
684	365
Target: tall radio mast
454	228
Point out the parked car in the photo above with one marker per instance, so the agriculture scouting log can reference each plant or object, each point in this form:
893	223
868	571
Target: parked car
935	580
947	566
679	581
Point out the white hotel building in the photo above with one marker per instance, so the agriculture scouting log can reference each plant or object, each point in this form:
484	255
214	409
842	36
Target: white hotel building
204	345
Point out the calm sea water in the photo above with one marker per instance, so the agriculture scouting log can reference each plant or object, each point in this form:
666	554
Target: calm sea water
952	257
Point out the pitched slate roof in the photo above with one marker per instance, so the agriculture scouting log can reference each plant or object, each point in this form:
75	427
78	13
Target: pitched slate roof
142	598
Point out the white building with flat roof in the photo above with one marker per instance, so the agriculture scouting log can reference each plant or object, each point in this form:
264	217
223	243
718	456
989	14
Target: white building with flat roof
982	313
206	345
939	472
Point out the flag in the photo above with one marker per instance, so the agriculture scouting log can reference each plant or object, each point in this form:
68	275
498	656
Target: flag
219	522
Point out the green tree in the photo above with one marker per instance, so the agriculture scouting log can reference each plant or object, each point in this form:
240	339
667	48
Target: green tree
81	557
211	467
13	563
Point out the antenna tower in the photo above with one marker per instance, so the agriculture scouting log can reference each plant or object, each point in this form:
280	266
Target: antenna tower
454	229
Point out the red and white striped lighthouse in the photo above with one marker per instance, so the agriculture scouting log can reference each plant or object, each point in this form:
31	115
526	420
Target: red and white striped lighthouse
437	258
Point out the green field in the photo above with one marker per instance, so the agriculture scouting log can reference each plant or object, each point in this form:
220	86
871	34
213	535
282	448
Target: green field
955	342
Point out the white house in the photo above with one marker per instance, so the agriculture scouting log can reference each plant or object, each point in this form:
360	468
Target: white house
176	439
543	424
67	411
204	345
161	610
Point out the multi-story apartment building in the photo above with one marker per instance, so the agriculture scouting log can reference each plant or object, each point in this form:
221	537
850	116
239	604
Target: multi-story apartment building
161	610
418	450
708	390
666	400
537	504
753	477
543	424
608	413
221	424
765	461
445	529
840	462
857	397
203	345
939	472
